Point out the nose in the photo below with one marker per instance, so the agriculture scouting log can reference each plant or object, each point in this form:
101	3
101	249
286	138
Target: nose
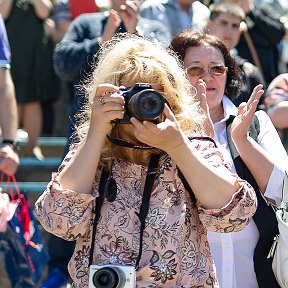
206	76
229	29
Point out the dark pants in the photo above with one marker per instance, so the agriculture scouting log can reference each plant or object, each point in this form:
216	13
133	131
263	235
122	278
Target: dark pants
16	263
60	252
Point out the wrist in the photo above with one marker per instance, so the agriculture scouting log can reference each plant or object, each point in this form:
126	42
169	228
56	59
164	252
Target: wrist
242	142
179	145
13	144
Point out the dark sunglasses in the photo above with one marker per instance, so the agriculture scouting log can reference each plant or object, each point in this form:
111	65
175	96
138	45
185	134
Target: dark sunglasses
216	70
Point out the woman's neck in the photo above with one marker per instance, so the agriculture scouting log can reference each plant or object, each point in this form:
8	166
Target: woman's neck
217	114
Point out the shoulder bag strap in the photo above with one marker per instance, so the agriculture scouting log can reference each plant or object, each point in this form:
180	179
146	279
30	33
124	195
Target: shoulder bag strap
253	51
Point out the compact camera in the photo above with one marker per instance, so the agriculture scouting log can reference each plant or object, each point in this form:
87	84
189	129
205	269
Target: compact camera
112	276
143	103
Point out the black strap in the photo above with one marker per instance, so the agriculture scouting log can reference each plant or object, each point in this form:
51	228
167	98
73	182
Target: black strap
124	143
144	208
154	161
97	211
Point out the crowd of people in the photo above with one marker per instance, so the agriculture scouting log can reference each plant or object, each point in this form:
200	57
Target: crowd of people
177	196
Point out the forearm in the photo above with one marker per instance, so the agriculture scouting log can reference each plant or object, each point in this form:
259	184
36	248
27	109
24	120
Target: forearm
213	187
278	115
8	107
79	173
256	159
42	8
5	8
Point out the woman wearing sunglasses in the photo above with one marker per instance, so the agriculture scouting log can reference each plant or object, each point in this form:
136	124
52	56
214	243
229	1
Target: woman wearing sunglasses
247	140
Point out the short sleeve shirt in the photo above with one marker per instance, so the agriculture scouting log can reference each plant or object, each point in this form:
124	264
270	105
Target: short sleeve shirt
5	54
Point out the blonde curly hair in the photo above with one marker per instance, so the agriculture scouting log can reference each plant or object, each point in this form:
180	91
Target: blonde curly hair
128	59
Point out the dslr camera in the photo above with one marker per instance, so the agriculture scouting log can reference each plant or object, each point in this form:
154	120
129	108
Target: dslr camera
142	102
112	276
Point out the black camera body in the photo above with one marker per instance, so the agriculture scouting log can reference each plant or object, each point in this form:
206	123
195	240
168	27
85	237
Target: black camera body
142	102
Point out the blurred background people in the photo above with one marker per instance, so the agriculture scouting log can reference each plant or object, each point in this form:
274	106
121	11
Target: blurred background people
265	31
9	159
276	103
65	11
32	68
177	15
225	22
240	258
16	264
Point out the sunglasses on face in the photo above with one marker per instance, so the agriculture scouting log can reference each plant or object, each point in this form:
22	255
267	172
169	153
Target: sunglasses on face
216	70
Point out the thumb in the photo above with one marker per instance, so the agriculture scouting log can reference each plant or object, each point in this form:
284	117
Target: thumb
242	108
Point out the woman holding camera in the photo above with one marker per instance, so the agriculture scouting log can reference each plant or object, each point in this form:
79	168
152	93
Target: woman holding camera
126	199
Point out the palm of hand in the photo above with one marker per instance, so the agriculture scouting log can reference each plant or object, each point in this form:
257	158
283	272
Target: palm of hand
242	121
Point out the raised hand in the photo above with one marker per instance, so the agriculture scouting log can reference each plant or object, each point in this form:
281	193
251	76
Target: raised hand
129	14
201	97
111	26
241	123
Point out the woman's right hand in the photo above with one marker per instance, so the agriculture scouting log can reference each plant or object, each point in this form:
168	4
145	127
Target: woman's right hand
108	104
201	97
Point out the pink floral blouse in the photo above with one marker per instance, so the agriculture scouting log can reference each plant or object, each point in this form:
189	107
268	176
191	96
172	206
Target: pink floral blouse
175	248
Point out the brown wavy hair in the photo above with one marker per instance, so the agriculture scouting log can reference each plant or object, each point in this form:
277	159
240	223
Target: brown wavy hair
191	38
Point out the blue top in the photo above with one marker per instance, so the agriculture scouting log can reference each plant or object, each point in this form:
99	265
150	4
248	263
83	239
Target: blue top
5	54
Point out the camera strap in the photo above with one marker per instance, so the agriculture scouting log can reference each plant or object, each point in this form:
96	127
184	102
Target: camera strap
144	208
124	143
97	211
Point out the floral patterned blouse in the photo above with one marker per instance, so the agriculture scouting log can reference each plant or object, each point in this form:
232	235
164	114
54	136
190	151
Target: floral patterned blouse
175	248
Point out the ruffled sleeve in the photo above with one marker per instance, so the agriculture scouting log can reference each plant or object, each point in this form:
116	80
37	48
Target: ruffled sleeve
237	213
63	212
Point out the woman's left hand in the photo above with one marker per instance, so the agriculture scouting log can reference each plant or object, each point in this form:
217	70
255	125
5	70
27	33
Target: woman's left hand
241	123
165	135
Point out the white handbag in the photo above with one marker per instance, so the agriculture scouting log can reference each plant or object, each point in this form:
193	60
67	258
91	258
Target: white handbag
279	249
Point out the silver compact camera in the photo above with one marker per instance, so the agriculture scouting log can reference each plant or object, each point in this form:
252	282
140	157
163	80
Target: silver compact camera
112	276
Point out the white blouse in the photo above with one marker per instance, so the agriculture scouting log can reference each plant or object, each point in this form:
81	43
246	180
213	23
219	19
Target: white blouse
233	252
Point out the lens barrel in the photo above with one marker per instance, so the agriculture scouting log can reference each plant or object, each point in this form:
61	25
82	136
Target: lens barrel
146	105
109	277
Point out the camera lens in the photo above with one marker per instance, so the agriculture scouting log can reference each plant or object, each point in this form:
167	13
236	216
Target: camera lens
103	279
108	277
146	105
